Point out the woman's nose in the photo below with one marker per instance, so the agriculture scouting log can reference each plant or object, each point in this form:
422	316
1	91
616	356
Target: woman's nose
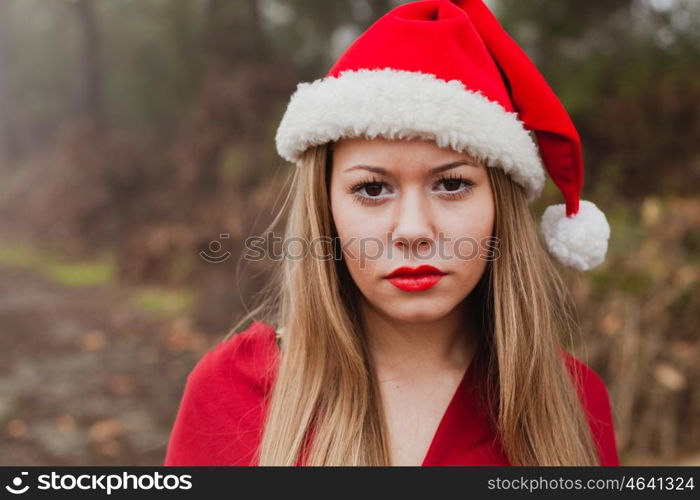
413	227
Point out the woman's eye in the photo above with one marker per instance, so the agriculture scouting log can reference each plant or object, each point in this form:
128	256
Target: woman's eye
369	188
373	189
367	192
453	186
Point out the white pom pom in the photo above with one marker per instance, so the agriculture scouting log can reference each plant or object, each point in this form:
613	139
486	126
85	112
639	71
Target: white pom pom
580	241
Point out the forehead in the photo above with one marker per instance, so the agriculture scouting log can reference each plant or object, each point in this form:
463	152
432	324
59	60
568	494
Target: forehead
415	153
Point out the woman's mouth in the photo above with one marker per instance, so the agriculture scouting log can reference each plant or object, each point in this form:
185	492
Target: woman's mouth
416	279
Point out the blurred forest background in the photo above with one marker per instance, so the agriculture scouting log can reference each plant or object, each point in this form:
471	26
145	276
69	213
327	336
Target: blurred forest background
136	134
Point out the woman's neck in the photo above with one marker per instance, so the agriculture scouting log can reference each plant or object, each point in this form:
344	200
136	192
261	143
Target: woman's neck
401	348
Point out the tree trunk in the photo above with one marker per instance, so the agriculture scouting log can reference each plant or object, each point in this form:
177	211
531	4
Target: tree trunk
9	135
90	93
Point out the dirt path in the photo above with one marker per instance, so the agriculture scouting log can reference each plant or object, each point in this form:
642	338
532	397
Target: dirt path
85	377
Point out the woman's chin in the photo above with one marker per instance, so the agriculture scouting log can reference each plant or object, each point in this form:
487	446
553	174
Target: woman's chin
417	311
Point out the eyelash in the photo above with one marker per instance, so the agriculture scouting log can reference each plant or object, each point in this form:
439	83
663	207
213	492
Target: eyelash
365	200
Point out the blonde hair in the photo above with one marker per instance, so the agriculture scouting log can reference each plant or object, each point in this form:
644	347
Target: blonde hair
325	386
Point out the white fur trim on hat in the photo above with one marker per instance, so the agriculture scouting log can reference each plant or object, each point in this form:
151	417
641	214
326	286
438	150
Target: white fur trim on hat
409	104
580	241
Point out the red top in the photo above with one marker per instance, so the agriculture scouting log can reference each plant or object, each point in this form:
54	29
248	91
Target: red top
219	420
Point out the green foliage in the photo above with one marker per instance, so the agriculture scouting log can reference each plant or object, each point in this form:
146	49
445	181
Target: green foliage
98	270
163	302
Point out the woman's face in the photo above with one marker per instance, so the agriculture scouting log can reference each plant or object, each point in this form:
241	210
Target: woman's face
411	203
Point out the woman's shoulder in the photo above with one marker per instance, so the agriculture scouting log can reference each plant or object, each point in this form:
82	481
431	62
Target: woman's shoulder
596	402
220	413
247	357
589	382
584	374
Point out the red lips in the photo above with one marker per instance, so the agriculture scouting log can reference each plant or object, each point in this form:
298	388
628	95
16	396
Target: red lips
410	279
414	271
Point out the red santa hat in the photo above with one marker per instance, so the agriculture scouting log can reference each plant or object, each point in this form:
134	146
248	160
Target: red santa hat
448	71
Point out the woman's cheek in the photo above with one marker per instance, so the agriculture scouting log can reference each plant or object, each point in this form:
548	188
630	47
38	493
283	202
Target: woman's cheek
463	237
361	253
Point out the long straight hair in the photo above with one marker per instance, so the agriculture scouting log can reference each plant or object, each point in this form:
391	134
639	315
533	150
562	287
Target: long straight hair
324	406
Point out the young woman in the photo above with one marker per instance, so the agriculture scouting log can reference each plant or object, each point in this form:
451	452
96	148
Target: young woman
419	320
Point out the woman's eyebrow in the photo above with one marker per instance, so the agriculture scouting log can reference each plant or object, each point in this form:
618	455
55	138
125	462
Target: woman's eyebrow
434	170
